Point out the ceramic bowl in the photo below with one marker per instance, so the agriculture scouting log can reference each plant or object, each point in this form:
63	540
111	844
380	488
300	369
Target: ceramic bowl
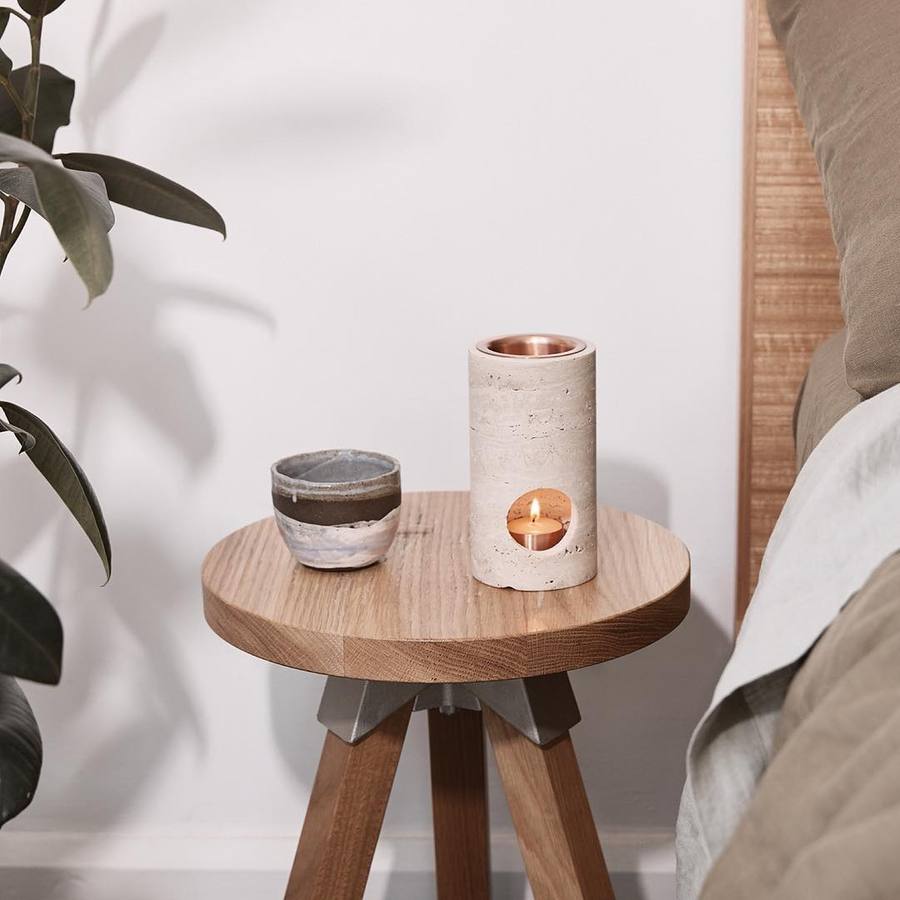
337	509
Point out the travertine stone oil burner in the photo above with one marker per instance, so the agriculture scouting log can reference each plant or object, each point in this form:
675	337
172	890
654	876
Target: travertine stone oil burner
533	503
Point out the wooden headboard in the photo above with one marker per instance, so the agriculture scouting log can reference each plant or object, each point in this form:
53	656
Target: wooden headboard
790	290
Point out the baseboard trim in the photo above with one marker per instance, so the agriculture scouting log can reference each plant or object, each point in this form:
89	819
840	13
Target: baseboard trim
626	850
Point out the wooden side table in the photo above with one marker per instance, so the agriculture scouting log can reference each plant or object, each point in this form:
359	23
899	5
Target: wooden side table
418	632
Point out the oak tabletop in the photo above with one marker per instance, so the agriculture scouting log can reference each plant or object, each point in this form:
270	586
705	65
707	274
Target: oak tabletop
419	616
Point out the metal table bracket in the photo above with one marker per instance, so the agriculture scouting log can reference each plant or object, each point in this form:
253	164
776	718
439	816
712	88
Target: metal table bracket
542	708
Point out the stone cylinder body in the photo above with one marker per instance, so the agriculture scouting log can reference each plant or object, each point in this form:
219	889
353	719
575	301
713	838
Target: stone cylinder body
532	430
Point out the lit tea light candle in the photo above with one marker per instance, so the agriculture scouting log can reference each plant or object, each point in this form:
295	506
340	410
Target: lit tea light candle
536	532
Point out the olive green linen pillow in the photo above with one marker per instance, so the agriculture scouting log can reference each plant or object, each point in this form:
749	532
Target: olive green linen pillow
844	61
824	398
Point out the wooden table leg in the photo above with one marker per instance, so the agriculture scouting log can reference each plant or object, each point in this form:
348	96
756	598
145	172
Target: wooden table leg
459	804
551	814
346	809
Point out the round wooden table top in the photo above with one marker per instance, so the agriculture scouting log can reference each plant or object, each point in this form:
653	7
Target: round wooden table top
421	617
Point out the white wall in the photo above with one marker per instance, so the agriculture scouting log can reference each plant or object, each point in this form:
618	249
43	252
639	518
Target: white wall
399	178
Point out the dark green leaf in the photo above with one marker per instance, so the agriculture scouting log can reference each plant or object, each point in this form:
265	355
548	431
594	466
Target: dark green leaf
26	439
40	7
20	183
139	188
55	94
31	635
5	62
4	20
70	211
21	752
64	474
7	373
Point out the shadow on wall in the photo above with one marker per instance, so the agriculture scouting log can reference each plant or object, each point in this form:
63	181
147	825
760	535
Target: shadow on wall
633	487
110	74
638	712
126	351
118	350
318	123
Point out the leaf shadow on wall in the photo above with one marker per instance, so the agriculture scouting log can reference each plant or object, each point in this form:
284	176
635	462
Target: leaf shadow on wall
125	704
320	120
118	67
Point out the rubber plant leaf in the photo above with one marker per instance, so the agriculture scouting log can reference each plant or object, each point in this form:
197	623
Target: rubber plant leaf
8	373
21	751
55	94
20	183
40	7
26	439
31	635
5	61
69	210
65	476
138	188
4	20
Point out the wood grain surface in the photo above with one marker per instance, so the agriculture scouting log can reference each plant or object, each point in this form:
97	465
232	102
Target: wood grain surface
459	805
421	617
551	813
790	290
345	812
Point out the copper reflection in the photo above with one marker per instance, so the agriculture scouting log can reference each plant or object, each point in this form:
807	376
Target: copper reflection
539	541
531	345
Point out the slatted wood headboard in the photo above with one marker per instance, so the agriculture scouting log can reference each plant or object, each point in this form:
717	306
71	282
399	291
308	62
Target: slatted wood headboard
790	290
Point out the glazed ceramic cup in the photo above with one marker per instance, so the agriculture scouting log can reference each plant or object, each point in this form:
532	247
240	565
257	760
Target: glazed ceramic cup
337	509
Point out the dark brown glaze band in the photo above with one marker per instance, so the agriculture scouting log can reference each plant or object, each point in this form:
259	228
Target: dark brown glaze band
340	511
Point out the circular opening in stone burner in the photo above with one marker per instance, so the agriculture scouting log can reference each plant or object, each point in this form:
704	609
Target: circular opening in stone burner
531	345
539	519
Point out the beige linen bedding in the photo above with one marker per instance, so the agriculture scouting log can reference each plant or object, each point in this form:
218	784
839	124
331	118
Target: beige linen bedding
824	822
839	524
844	61
824	398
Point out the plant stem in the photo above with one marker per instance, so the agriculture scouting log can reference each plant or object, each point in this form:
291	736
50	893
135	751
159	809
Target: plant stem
9	214
15	12
7	85
6	244
32	85
26	212
10	230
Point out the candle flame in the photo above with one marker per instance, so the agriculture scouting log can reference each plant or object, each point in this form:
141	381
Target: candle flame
535	509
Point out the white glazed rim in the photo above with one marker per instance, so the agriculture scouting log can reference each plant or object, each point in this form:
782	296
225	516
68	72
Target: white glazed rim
389	479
